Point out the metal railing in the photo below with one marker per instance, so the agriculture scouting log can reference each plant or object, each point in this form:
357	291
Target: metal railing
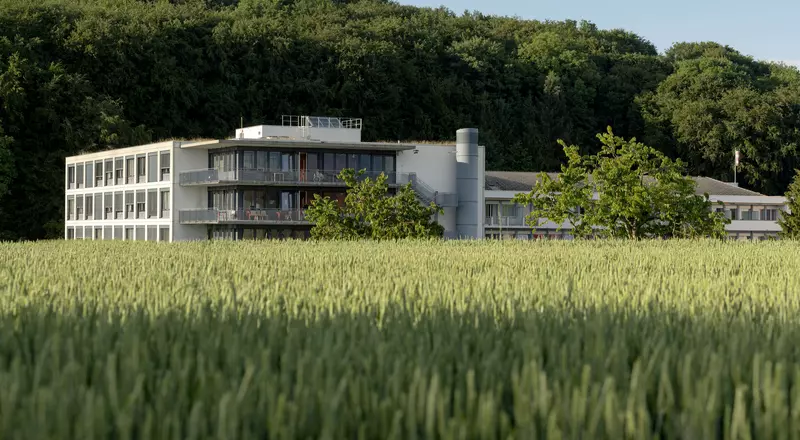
255	216
321	122
505	221
428	194
278	177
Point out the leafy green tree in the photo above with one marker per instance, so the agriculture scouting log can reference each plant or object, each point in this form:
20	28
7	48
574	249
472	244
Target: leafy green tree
370	212
627	190
790	221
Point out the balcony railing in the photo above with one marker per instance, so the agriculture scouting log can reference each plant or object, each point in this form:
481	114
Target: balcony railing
246	216
213	176
505	221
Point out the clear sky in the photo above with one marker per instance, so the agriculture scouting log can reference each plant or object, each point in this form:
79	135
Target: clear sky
766	29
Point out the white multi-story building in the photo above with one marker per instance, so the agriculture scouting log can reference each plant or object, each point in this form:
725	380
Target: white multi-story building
257	184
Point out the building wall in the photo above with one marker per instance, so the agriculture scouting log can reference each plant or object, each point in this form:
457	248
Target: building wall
188	197
296	132
435	166
514	226
117	225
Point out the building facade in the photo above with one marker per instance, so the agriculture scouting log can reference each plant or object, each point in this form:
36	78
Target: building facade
257	185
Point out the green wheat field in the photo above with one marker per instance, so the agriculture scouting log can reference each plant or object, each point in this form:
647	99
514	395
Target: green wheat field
414	340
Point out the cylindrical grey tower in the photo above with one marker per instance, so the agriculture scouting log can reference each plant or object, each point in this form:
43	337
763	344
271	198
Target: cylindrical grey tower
467	169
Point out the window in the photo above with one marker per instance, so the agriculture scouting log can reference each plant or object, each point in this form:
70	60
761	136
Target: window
130	171
98	206
107	235
70	233
165	166
165	203
510	210
771	214
79	207
152	203
140	205
109	167
249	160
352	161
140	233
71	208
152	167
79	233
118	233
129	233
152	233
364	162
274	160
98	233
163	233
129	213
141	170
118	171
341	163
108	205
388	164
98	174
746	214
71	177
118	206
79	175
328	162
262	160
89	174
89	206
732	214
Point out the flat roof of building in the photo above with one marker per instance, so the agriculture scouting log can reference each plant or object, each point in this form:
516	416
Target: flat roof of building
295	143
524	181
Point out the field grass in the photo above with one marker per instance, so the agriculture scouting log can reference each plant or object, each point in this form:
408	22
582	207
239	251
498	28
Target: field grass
295	340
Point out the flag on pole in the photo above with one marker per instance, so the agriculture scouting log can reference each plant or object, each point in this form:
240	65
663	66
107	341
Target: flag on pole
736	158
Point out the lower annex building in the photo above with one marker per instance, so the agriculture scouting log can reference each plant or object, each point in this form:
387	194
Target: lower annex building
257	185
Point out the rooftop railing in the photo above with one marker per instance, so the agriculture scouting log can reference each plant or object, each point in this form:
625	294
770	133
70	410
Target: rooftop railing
244	176
242	216
505	221
321	122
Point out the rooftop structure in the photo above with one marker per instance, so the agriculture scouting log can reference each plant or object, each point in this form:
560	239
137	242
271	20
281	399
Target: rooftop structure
258	183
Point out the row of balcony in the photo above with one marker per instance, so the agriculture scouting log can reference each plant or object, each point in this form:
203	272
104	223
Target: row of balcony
245	216
213	176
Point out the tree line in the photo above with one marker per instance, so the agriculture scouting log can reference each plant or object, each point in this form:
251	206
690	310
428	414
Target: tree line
85	75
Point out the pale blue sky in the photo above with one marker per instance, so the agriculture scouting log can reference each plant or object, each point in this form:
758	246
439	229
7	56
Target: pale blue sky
767	29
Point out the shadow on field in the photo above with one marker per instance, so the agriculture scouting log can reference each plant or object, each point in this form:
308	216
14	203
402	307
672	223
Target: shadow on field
393	373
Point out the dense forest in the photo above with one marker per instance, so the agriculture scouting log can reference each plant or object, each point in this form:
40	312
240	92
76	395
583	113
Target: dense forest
80	75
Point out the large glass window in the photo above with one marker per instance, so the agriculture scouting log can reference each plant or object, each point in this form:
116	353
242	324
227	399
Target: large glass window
79	233
249	160
140	233
164	203
89	206
128	233
79	207
70	233
108	206
364	162
152	167
118	233
341	162
312	163
140	204
109	168
71	208
98	206
262	160
152	233
165	168
130	213
118	205
79	175
89	174
274	160
98	233
328	161
163	233
118	171
141	169
107	234
152	203
71	177
130	170
98	174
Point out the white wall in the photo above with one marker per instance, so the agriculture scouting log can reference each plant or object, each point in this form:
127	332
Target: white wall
434	164
188	197
295	132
